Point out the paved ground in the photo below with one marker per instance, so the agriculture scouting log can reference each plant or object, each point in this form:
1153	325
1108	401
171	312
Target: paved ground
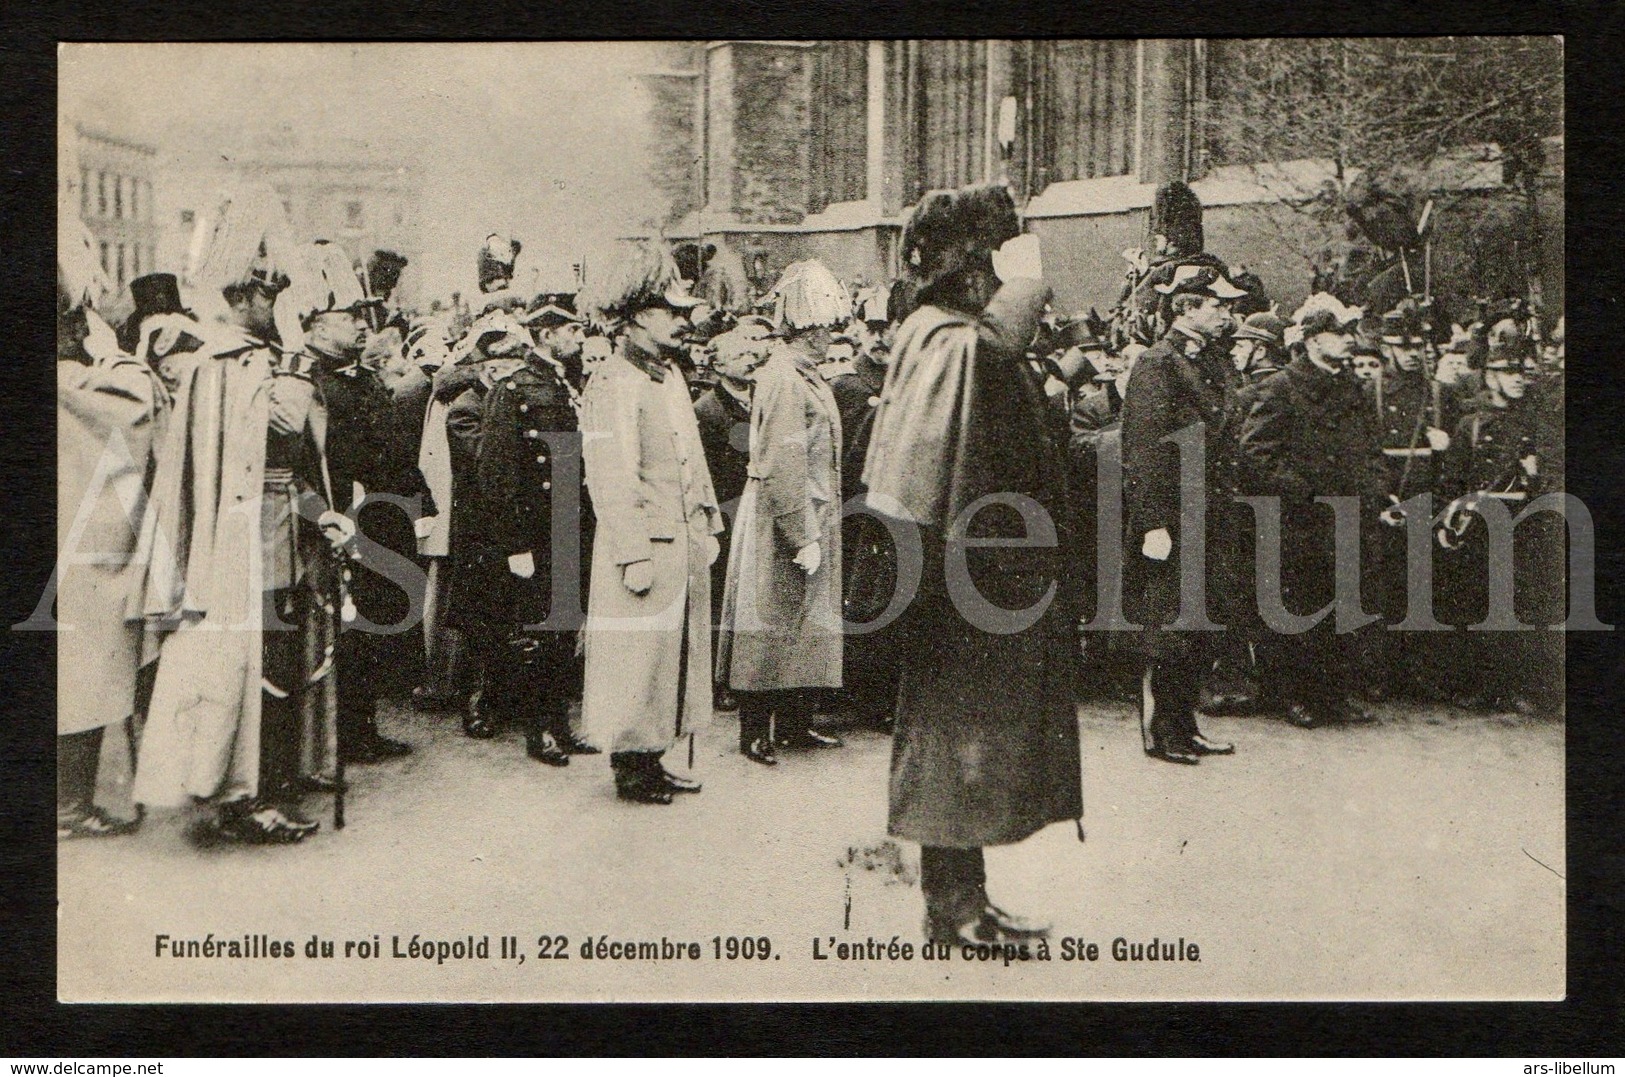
1420	858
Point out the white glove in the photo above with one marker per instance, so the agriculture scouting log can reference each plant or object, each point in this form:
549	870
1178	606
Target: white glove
638	576
809	557
338	528
1531	465
424	526
522	565
1393	515
713	549
1158	544
1438	439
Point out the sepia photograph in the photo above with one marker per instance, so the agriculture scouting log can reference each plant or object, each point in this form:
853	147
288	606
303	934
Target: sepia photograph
1042	520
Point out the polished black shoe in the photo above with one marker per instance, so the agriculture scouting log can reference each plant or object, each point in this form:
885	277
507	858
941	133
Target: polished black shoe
811	738
1200	745
317	783
544	749
724	700
1012	926
760	751
262	824
642	791
1173	755
679	784
95	824
574	745
1352	712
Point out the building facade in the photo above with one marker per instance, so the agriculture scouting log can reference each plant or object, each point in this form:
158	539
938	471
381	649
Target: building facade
802	149
110	180
345	194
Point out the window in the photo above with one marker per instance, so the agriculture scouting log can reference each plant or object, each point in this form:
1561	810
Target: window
84	192
135	199
840	123
148	202
118	196
352	215
106	265
1084	110
101	194
120	278
135	261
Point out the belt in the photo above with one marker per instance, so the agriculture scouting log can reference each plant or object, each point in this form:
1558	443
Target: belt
279	476
1424	451
1507	495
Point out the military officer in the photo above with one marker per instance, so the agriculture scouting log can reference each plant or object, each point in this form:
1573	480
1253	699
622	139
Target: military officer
1413	412
537	517
1185	379
357	455
1494	455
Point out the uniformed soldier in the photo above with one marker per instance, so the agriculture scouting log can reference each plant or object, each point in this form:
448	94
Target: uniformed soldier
1310	433
1494	454
330	310
1184	380
538	519
1256	348
1413	413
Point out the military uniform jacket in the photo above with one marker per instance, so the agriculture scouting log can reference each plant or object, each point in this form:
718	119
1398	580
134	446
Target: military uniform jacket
857	395
522	471
1174	384
1403	405
725	432
1486	450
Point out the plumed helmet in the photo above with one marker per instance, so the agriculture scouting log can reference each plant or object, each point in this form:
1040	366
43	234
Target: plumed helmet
245	241
644	277
808	295
1322	313
323	280
80	279
496	260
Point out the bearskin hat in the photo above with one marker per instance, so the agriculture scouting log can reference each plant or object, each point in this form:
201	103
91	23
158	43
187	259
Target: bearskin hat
950	232
1176	215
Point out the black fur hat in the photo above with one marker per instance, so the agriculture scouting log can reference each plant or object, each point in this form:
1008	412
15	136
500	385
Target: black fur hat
1176	215
952	231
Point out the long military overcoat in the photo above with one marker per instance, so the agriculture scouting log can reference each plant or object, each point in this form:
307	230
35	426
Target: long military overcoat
781	626
648	656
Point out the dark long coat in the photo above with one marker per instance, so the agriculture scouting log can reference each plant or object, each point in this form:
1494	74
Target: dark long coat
522	475
1176	384
1308	434
986	749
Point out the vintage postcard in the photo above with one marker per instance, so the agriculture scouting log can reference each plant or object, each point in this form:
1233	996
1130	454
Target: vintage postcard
746	520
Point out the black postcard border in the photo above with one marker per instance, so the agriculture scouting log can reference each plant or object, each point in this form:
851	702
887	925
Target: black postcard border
33	1024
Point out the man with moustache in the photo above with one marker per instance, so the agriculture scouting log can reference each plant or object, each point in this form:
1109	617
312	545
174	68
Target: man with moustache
1183	382
541	525
330	304
1310	433
648	640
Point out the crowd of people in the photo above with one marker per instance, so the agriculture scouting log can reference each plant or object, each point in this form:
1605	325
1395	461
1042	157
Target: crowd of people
929	506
